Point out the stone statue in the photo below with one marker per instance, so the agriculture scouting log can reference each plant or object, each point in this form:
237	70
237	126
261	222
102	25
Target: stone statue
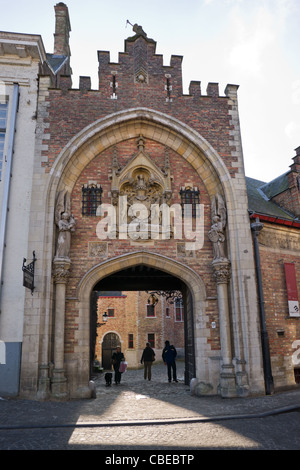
65	223
137	29
216	233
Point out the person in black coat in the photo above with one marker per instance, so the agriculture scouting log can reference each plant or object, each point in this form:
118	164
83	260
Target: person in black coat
169	355
148	357
117	357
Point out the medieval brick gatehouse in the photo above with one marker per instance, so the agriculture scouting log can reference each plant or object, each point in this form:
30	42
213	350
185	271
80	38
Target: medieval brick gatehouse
138	187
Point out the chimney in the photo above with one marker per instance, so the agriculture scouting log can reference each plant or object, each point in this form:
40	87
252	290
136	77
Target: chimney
62	30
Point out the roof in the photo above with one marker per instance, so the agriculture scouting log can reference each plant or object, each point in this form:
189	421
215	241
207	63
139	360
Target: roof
276	186
259	194
22	45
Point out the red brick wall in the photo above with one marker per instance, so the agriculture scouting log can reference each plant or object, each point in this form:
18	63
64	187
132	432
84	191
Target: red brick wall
72	110
277	314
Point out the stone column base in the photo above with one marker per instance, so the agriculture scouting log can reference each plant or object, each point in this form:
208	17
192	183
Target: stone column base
43	383
227	387
59	385
242	384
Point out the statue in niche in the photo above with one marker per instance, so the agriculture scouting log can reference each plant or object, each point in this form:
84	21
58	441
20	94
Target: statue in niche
65	223
216	233
141	185
142	189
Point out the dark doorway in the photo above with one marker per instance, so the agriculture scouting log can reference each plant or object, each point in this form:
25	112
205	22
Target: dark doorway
110	342
146	278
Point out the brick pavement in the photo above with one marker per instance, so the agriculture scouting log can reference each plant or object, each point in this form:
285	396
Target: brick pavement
133	414
136	399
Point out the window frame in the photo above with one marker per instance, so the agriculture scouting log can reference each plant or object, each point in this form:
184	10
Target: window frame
110	310
190	195
147	311
151	339
130	341
3	128
91	199
178	306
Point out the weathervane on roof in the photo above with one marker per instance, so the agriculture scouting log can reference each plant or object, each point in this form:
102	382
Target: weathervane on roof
137	29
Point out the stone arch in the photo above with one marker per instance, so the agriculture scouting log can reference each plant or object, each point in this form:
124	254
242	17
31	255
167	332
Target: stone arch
188	276
129	124
118	263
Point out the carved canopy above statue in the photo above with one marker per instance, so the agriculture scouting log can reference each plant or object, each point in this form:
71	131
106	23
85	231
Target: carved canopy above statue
141	181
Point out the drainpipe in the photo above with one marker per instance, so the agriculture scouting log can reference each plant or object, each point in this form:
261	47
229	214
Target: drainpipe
256	227
7	179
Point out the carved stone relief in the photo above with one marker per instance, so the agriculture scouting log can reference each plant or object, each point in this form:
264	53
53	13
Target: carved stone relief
97	250
139	186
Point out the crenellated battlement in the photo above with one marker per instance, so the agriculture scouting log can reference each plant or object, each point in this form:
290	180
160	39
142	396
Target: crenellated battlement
141	75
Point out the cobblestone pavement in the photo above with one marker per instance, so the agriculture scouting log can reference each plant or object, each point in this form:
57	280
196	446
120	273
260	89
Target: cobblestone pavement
141	414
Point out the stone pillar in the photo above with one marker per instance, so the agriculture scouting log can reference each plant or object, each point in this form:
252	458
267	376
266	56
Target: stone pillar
61	271
44	382
222	274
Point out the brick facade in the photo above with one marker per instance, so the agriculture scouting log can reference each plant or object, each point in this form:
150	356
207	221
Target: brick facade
279	245
89	137
139	129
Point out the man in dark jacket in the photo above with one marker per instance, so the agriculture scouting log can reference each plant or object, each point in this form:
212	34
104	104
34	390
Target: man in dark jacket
117	357
169	354
148	357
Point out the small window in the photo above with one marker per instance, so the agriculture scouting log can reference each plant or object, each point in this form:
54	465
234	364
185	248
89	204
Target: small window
130	341
151	339
167	311
190	196
91	198
110	312
178	310
3	122
2	140
150	310
3	116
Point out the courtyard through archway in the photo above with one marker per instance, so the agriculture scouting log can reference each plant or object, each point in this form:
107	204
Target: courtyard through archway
142	304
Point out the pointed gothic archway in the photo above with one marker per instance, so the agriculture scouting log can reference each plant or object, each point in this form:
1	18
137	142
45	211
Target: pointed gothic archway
161	267
142	277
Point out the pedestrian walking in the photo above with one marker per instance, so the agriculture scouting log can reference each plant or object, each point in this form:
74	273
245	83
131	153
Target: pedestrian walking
148	357
117	358
169	355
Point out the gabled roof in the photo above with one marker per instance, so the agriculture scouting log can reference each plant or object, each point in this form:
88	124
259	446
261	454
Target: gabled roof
259	202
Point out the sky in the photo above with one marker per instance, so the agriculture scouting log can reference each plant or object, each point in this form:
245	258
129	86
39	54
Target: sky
251	43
